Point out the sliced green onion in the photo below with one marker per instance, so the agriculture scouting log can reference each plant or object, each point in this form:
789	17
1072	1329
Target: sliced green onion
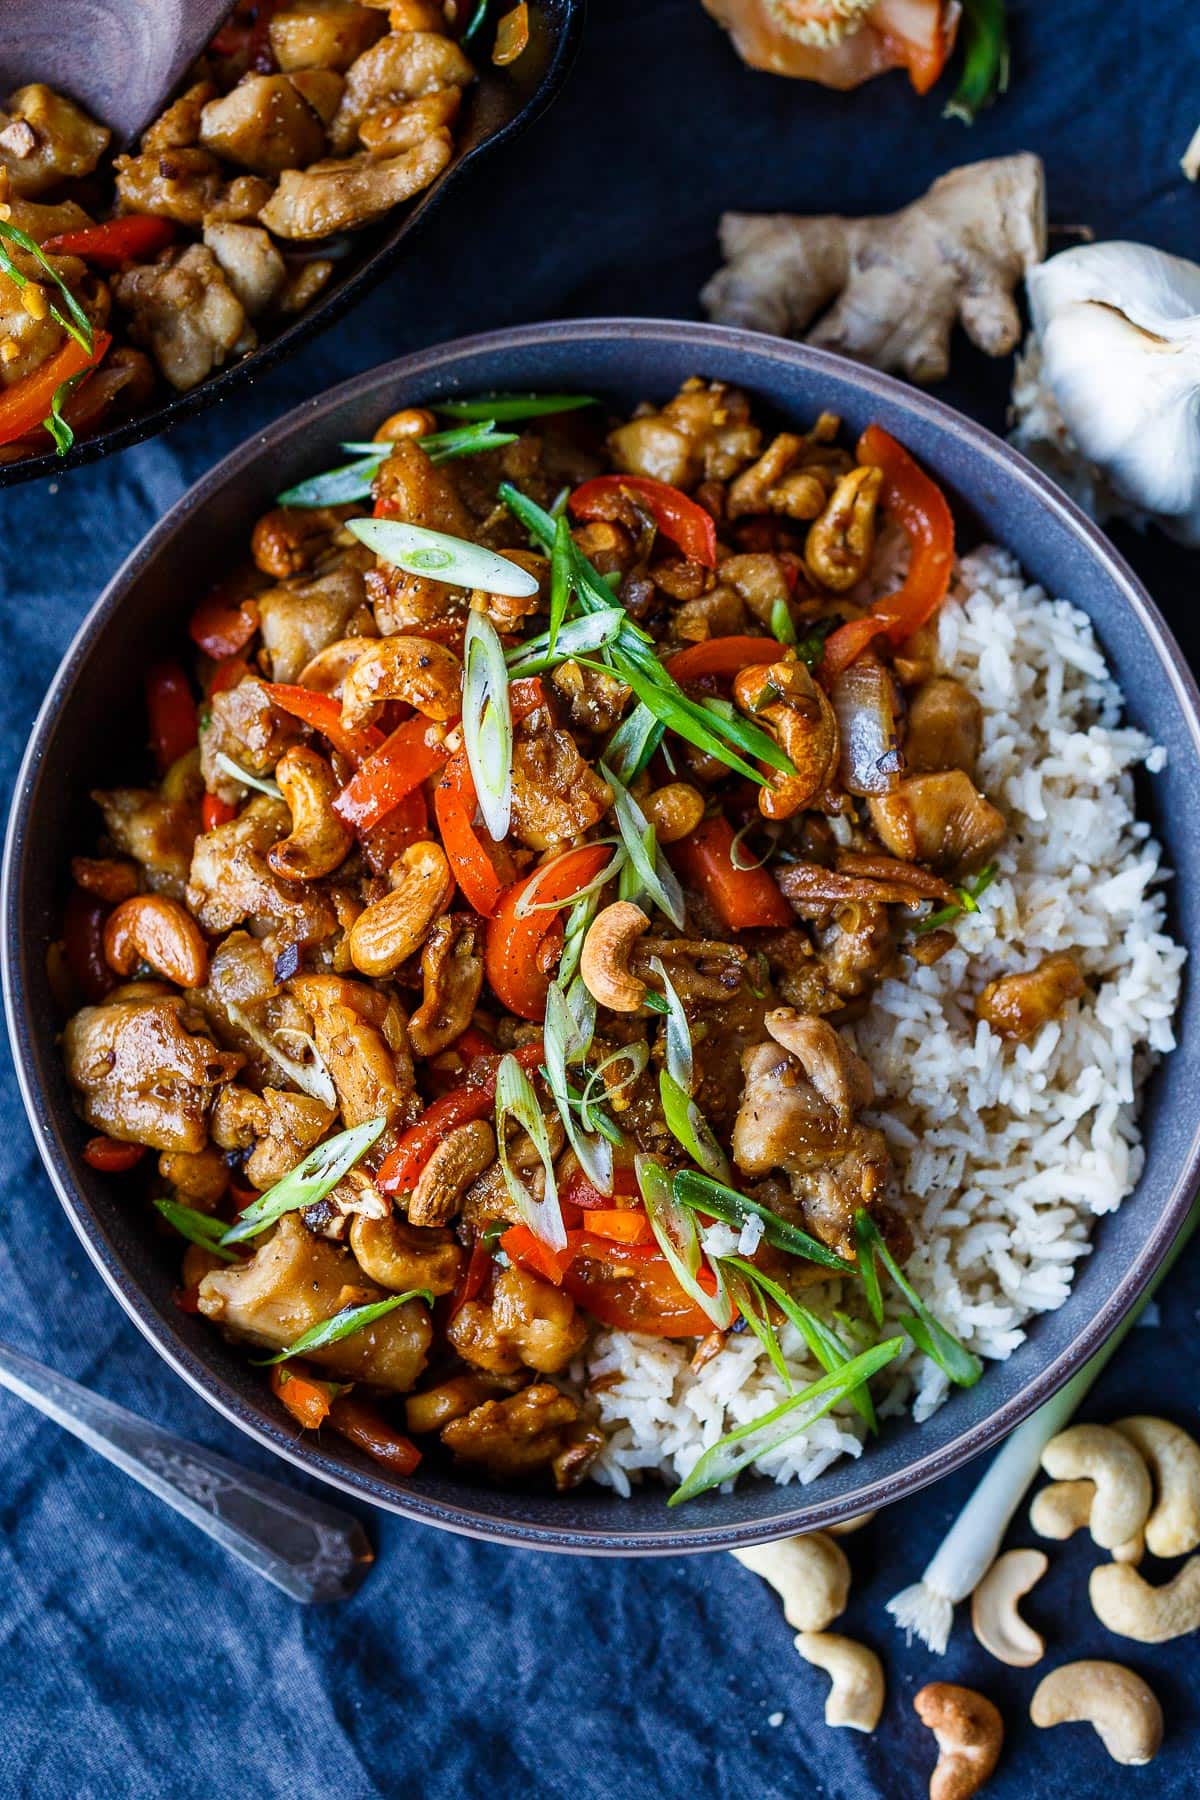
197	1227
54	422
512	406
985	60
445	558
575	929
961	1365
342	1325
516	1100
565	1042
311	1078
591	587
781	623
704	1195
549	649
75	322
468	440
560	579
487	723
477	18
655	873
674	712
853	1328
228	767
679	1057
728	1456
811	647
636	1055
753	1309
967	902
822	1340
679	1240
582	1003
735	850
526	904
309	1181
690	1128
633	743
337	487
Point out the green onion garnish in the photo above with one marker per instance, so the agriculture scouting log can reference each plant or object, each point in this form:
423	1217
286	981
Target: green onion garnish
516	1100
487	723
961	1365
512	406
309	1181
342	1325
985	60
689	1127
633	743
451	559
75	322
197	1227
822	1340
705	1195
228	767
781	623
967	902
54	422
592	632
678	1238
352	481
655	876
811	647
565	1042
560	580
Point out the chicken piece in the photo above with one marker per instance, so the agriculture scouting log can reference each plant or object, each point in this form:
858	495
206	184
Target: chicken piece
249	262
361	1036
146	1071
719	613
278	1127
944	728
341	196
178	128
183	184
538	1320
1017	1006
401	66
230	881
941	819
701	969
838	1073
242	986
595	698
198	1176
452	970
473	1332
705	432
299	619
400	1256
322	34
296	1281
856	947
157	827
265	125
436	1406
244	725
555	793
537	1430
186	313
239	202
396	128
814	890
46	139
290	540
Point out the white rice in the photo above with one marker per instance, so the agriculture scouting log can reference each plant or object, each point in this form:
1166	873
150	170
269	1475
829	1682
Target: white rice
1000	1211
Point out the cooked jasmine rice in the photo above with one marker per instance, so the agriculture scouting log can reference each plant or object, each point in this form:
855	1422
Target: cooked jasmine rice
1004	1153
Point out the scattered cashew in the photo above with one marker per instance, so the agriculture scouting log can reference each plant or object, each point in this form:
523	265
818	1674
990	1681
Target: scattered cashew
1122	1499
855	1522
1131	1606
155	929
1127	1718
856	1697
330	666
1060	1510
994	1616
417	670
318	840
388	932
784	697
969	1733
841	541
1173	1458
462	1155
604	959
810	1574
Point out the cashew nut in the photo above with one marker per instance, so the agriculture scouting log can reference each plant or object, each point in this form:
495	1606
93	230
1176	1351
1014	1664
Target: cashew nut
1173	1459
1122	1499
994	1616
969	1733
462	1155
855	1522
1128	1604
674	810
810	1574
604	959
841	542
387	933
330	666
155	929
1127	1718
784	697
1058	1511
856	1697
318	841
413	669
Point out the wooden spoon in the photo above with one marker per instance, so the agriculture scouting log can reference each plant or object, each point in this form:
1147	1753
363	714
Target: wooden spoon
121	59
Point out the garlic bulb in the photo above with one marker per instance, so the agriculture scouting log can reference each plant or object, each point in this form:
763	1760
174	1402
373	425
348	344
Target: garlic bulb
1111	379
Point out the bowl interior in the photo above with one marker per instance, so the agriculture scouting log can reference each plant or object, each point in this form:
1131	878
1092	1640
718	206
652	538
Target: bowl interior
499	103
89	730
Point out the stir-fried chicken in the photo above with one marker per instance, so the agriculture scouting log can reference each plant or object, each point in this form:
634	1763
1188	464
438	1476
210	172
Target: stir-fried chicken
538	1428
944	729
186	313
145	1071
941	819
1017	1006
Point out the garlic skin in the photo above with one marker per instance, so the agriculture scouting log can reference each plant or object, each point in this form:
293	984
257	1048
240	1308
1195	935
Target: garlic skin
1114	359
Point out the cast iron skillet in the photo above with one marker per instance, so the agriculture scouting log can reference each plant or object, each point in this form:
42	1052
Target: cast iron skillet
495	108
91	728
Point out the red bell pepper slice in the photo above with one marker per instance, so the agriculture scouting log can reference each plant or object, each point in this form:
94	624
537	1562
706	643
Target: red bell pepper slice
221	630
519	952
215	812
407	758
172	709
324	714
577	1190
473	1044
919	505
116	241
630	1287
685	522
406	824
307	1400
27	402
230	672
745	899
722	656
620	1225
359	1422
471	1278
471	857
523	1246
110	1157
473	1099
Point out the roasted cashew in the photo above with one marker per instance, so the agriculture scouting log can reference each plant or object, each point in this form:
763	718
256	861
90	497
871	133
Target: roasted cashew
994	1616
774	484
397	1256
452	971
109	878
462	1155
969	1733
1127	1718
1173	1458
1122	1500
1058	1511
1128	1604
810	1574
604	959
318	840
674	810
414	669
856	1697
841	542
784	697
855	1522
387	933
410	421
330	666
155	929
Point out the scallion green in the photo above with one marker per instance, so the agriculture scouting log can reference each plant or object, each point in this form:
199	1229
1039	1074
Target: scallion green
342	1325
197	1227
702	1194
958	1363
309	1181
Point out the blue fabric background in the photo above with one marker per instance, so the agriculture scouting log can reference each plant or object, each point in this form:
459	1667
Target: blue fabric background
136	1659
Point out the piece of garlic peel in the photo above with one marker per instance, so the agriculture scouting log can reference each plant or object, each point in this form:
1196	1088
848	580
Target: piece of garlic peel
1189	162
1116	328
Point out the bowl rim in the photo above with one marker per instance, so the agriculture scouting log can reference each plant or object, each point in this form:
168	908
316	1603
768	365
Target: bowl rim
424	371
568	36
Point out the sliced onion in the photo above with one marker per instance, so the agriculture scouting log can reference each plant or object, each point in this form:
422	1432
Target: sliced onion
680	1065
636	1055
688	1125
576	638
227	766
312	1078
656	876
565	1042
864	702
516	1100
679	1240
487	724
445	558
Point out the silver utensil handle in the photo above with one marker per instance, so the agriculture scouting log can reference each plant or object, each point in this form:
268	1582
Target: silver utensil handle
309	1549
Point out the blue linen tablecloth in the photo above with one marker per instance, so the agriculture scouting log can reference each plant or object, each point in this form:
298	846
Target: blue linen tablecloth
136	1659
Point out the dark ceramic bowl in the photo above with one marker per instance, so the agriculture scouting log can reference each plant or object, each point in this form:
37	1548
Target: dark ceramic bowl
499	105
141	615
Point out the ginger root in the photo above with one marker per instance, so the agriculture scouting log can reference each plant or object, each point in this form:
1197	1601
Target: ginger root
894	285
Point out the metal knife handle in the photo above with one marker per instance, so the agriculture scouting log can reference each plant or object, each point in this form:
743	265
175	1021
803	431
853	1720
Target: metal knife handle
309	1549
